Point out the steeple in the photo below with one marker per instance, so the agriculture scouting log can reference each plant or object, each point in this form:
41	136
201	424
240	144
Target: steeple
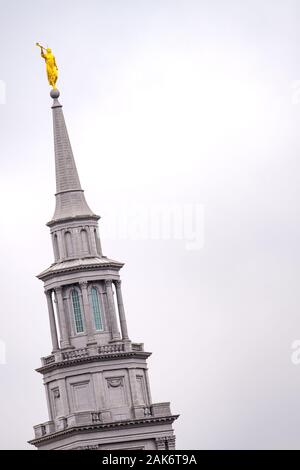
70	199
96	378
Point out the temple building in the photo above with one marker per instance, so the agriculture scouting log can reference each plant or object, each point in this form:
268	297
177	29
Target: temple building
96	380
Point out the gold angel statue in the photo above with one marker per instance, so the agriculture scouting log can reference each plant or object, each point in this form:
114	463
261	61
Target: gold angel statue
51	67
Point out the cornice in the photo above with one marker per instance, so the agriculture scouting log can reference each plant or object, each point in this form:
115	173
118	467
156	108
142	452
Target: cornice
132	423
97	358
44	276
72	219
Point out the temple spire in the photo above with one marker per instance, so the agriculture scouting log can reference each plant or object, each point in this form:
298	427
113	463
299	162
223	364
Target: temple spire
70	199
96	379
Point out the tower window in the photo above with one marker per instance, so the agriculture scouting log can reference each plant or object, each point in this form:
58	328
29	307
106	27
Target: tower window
56	249
69	244
77	311
84	242
96	309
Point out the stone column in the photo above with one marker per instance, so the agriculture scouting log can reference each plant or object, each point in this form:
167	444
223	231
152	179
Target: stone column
92	241
122	317
63	324
87	312
112	311
53	329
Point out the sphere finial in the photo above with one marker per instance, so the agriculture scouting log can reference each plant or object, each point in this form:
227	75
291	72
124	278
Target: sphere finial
54	93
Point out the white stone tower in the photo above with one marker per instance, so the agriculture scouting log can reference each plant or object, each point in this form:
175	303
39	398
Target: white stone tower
96	380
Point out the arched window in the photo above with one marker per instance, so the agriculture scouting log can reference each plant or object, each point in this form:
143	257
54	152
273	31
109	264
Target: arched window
69	244
77	311
96	309
55	246
84	242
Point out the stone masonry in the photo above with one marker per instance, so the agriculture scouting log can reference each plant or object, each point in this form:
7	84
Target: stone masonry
96	379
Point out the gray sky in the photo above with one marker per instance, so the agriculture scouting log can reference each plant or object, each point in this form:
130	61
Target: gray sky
168	104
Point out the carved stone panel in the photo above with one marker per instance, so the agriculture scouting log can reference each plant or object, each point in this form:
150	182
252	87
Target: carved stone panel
116	392
81	394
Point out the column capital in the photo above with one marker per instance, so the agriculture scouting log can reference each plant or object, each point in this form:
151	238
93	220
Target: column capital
118	283
58	290
83	284
48	292
108	282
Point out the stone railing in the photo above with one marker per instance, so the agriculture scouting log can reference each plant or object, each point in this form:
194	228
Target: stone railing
161	409
84	352
155	410
73	419
111	348
48	360
97	350
105	416
96	417
137	346
45	428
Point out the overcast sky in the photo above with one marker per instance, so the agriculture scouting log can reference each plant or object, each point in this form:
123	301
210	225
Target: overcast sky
186	105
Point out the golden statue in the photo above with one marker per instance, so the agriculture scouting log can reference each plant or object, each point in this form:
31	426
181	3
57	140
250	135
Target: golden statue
51	67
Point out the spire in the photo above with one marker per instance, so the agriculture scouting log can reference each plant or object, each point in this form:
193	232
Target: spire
70	200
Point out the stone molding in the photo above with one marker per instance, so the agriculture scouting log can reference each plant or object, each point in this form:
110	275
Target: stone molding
96	426
105	357
49	274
